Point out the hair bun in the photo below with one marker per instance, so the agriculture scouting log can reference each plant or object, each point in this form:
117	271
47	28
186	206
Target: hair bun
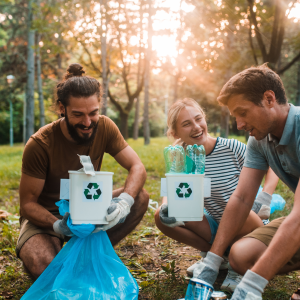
74	70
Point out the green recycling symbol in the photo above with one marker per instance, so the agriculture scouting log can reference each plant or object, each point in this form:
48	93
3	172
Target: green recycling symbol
184	190
92	194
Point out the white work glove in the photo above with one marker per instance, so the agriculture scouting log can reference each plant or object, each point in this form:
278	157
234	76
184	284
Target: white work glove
261	205
166	220
61	227
117	212
250	288
208	269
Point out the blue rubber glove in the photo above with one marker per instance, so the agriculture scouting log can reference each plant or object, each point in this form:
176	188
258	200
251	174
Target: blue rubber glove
208	269
251	287
166	220
61	227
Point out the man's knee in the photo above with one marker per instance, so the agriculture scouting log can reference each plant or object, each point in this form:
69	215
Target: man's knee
38	252
244	253
39	265
235	259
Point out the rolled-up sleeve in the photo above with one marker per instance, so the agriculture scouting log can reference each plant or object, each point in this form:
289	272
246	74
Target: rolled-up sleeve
255	158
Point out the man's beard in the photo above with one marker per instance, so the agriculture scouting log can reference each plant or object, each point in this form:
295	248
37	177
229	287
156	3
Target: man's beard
85	139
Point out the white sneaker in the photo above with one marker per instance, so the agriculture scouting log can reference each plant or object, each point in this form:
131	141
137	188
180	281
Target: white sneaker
190	270
231	281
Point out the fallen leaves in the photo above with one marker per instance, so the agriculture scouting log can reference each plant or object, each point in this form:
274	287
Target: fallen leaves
7	295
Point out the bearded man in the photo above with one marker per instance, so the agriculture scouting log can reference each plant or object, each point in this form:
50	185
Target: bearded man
52	151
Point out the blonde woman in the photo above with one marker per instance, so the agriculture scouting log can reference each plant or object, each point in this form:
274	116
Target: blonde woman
224	161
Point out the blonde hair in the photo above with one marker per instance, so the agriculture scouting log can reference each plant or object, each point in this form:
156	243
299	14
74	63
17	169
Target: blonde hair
174	112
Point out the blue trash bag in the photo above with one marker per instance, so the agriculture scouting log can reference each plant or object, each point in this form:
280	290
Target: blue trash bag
82	230
85	269
277	202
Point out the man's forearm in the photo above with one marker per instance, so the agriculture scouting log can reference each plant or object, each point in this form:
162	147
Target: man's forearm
271	182
38	215
135	180
283	246
232	221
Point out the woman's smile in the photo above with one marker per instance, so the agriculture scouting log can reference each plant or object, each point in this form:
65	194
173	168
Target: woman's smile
197	135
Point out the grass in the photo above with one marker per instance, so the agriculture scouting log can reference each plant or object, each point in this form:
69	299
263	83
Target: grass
157	262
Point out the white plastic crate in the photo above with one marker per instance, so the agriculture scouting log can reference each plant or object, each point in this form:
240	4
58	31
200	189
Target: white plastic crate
185	196
90	197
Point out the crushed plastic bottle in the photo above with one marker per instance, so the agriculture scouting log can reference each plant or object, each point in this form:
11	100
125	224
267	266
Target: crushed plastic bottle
175	159
196	154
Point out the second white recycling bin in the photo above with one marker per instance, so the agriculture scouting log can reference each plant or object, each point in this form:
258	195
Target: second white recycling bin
90	196
185	196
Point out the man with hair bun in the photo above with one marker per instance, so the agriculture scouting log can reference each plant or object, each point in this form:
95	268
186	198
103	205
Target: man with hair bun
256	98
52	151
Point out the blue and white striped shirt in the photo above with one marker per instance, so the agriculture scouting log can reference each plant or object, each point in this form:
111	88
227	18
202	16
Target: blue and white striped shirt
223	165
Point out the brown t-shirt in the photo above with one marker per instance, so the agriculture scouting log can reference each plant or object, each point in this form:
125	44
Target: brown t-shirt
49	155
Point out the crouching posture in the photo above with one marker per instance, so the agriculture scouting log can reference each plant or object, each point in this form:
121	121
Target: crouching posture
52	151
224	162
256	98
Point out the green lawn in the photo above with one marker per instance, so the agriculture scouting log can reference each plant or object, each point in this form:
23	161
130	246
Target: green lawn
158	263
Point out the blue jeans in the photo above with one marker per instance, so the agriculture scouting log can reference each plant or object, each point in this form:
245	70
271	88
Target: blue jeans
214	225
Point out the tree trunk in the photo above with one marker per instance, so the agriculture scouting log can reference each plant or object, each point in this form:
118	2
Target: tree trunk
137	104
60	71
277	36
124	125
125	109
30	77
103	32
224	130
178	60
39	81
136	119
298	86
176	79
147	78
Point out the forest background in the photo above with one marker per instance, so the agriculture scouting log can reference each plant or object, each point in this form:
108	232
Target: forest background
146	53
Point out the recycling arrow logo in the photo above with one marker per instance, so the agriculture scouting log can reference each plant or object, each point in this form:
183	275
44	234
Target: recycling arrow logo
184	190
92	191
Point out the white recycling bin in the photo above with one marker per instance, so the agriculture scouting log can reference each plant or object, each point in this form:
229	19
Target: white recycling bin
90	196
185	196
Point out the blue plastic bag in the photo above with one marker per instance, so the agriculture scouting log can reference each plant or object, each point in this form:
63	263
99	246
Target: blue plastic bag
85	269
277	203
82	230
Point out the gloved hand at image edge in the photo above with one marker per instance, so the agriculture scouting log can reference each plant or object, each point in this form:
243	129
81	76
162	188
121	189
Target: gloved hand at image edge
166	220
250	288
117	212
208	269
261	205
61	227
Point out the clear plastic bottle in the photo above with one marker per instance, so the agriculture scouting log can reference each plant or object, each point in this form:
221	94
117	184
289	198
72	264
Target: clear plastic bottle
175	159
197	155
